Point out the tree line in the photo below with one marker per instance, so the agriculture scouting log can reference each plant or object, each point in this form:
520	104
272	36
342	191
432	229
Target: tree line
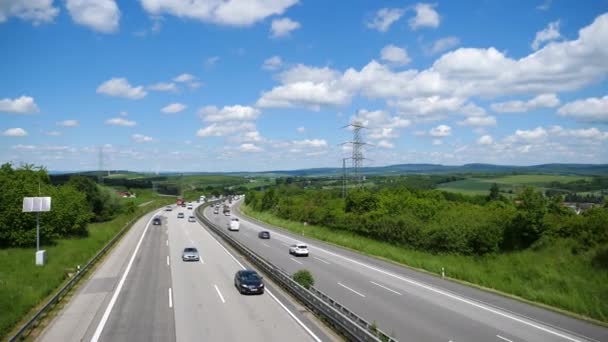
439	222
74	204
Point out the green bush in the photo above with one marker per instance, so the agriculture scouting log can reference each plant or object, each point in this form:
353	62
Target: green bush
304	278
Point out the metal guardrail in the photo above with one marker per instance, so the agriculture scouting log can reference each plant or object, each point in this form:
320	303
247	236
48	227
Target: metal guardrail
29	324
353	327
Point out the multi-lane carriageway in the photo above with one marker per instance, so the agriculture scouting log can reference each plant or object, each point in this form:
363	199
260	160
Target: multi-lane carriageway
144	292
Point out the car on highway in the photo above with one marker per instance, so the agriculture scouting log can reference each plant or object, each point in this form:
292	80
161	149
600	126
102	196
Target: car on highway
264	234
298	249
190	206
216	211
156	221
234	224
168	208
191	218
190	254
180	215
248	281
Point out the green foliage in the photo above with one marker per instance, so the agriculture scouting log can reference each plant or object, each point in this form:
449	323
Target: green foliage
600	259
528	225
360	201
103	203
304	278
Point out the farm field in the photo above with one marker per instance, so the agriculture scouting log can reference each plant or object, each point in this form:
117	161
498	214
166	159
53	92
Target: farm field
481	186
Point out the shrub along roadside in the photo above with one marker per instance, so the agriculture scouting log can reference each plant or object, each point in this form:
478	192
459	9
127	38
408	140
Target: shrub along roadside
549	275
23	285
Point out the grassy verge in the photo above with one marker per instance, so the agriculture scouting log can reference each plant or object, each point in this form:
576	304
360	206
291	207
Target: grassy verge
23	286
552	276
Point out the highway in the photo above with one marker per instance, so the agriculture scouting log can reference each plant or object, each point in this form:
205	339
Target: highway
410	305
143	291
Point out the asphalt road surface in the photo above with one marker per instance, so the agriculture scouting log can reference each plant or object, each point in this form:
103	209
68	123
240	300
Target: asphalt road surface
410	305
143	291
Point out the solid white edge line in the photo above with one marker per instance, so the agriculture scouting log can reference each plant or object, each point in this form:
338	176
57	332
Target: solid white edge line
321	260
300	323
299	262
430	288
503	338
348	288
167	243
168	264
384	287
170	298
219	293
106	314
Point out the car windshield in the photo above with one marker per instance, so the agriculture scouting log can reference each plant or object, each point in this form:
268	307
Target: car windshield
190	250
302	246
250	276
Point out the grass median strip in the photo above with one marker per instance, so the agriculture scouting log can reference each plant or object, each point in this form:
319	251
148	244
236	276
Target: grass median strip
548	276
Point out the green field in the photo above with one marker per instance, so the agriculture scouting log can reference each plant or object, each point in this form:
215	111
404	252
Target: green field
481	186
23	285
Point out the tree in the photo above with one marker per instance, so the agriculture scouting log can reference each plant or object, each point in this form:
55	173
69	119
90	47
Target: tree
269	199
360	201
494	193
528	224
304	278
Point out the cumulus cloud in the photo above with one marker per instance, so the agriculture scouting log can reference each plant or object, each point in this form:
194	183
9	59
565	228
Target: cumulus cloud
249	147
35	11
394	54
14	132
272	63
20	105
426	16
68	123
485	140
184	78
140	138
478	121
312	143
583	133
163	86
229	113
226	12
120	87
120	122
527	135
99	15
173	108
542	100
210	62
551	32
384	18
385	144
440	131
443	44
282	27
224	128
593	109
53	133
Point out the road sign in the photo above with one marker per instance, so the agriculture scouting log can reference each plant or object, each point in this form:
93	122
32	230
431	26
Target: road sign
36	204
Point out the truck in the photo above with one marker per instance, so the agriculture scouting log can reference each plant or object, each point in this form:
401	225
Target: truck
226	210
180	201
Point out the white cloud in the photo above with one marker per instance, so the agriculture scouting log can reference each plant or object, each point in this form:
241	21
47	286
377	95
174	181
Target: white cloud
394	54
248	147
479	121
99	15
53	133
443	44
173	108
282	27
542	100
14	132
21	105
68	123
184	78
272	63
302	73
210	62
35	11
527	135
440	131
300	129
385	144
426	16
384	18
380	124
545	5
310	143
229	113
226	12
307	94
225	128
140	138
594	109
120	87
163	86
120	122
551	32
433	106
585	133
252	136
485	140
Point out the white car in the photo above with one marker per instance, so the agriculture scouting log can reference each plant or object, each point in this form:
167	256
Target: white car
299	249
234	224
191	219
189	207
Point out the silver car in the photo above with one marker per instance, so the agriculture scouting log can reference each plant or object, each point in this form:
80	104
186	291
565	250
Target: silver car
190	254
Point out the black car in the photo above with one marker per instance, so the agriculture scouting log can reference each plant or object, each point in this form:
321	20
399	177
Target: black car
248	281
156	221
264	234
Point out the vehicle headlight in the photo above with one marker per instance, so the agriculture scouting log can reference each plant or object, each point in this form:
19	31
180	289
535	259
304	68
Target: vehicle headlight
243	285
261	285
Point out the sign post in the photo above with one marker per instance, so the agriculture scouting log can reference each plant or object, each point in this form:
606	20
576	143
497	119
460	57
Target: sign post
37	205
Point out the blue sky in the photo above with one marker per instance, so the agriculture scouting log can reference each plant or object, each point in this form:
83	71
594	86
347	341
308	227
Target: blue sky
210	85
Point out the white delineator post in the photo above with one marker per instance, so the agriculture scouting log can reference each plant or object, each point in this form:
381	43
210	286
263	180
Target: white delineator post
37	205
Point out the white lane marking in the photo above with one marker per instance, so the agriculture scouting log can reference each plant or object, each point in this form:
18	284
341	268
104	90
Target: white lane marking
348	288
167	243
442	292
300	323
219	294
168	264
292	259
502	338
106	314
170	299
265	244
384	287
321	260
285	244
